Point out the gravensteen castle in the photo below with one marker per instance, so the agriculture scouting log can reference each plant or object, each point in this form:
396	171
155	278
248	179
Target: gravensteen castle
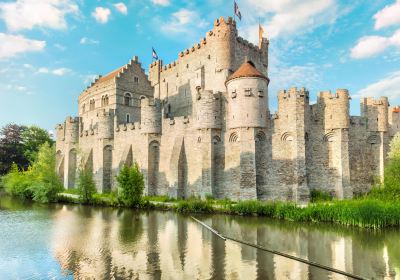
202	125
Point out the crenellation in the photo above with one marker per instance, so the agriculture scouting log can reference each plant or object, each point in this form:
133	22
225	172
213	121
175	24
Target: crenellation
201	125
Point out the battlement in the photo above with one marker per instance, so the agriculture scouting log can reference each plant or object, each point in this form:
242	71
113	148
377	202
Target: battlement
294	93
376	110
339	94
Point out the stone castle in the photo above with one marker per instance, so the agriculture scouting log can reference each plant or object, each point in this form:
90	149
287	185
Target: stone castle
201	125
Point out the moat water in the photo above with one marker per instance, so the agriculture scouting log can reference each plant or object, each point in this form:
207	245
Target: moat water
78	242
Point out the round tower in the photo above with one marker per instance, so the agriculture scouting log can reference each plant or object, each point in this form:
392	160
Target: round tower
71	130
105	124
222	42
247	93
208	110
150	115
376	111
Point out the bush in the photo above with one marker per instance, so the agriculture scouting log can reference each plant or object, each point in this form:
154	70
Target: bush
45	182
194	205
40	182
130	185
86	185
18	182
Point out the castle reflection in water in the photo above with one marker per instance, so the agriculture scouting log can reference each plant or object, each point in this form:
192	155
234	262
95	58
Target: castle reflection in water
124	244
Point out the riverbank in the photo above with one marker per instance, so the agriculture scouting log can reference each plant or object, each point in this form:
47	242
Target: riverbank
366	212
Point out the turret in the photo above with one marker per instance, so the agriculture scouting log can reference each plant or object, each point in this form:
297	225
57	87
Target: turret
71	130
247	93
105	124
291	103
376	112
150	115
335	107
394	120
208	109
60	132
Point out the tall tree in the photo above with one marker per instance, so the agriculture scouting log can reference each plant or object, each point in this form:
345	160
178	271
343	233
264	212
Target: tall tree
12	148
32	138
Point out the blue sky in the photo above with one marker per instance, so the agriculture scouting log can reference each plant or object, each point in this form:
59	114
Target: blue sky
50	50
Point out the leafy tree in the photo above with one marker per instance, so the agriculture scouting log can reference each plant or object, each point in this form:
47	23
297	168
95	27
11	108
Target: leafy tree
86	184
130	185
32	138
46	183
11	148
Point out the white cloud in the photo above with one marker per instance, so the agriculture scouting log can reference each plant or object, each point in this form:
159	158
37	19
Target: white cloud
286	17
43	70
389	86
88	41
390	15
161	2
58	71
61	71
372	45
183	21
60	47
27	14
89	78
121	7
101	14
11	45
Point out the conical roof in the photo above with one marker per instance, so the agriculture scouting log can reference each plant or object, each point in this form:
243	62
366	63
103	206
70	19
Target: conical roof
247	69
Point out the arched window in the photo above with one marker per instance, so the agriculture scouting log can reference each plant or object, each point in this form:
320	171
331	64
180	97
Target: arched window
127	99
106	100
128	118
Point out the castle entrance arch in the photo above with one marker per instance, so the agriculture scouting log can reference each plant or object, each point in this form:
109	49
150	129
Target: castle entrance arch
107	168
153	167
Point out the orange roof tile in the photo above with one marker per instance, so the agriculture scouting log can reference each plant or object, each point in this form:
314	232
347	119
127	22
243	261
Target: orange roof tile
110	75
247	69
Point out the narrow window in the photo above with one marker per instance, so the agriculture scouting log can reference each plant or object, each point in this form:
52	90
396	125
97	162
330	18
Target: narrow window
127	99
128	118
136	80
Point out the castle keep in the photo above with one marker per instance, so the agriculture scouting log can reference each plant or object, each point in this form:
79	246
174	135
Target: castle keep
201	125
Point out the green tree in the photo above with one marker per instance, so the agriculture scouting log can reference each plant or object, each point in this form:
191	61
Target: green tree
12	148
130	185
32	138
18	182
392	168
46	183
86	184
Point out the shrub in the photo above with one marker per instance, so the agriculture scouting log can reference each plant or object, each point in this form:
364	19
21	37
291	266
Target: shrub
18	182
130	185
194	205
45	181
40	182
86	185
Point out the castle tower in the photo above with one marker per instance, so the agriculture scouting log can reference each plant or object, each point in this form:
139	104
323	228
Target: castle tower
209	124
247	94
293	110
376	111
70	149
335	109
105	124
150	115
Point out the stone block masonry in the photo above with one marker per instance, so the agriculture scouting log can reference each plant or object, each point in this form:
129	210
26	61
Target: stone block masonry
202	125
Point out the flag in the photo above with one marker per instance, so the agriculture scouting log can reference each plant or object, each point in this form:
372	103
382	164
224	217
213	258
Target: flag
237	11
154	54
260	35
